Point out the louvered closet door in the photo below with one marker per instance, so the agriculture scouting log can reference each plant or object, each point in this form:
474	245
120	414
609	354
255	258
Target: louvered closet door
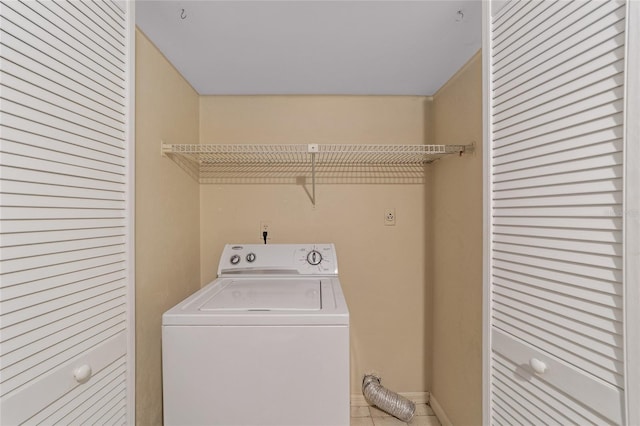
66	211
556	190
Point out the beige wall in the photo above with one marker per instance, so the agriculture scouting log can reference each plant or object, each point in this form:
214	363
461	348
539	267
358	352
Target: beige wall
417	336
382	268
167	215
456	246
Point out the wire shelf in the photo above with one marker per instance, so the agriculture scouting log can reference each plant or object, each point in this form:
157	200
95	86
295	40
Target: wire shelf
219	163
329	154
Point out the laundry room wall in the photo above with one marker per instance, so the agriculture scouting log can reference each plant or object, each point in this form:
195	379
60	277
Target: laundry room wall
456	247
382	268
167	215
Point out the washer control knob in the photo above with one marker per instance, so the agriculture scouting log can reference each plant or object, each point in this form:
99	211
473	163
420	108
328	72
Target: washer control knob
251	257
314	257
235	259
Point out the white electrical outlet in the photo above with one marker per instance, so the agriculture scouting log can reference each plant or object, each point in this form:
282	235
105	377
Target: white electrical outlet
390	217
265	226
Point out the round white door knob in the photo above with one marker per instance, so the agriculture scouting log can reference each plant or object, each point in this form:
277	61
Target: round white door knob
538	366
82	374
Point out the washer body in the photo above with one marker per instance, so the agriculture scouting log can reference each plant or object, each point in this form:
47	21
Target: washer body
266	343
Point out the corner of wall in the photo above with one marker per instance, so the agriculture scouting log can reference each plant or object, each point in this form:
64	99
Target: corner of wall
439	411
167	215
456	247
477	57
429	248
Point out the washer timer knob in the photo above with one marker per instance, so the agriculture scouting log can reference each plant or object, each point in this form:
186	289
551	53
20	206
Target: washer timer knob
235	259
314	257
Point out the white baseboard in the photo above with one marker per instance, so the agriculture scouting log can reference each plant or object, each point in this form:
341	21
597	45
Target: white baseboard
439	412
417	397
357	400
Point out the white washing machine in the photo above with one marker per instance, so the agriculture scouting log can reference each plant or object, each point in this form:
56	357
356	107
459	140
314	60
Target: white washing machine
266	343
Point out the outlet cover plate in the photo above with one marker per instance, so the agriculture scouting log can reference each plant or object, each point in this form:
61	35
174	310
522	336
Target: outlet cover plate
390	217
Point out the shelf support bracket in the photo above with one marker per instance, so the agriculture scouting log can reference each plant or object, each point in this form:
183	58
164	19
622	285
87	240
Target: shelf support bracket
312	148
313	179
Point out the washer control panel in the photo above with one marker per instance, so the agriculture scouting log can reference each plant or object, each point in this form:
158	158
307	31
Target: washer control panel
278	259
317	258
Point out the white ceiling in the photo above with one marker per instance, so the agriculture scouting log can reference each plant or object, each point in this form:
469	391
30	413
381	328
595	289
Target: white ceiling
340	47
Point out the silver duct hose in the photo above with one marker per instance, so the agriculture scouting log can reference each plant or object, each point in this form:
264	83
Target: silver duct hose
386	400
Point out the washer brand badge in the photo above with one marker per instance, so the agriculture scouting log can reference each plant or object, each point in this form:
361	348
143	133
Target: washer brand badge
237	247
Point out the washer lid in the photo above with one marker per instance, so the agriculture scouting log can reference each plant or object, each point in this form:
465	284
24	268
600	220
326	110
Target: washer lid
259	301
267	295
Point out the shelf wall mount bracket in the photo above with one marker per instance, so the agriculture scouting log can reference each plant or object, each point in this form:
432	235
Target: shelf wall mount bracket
165	148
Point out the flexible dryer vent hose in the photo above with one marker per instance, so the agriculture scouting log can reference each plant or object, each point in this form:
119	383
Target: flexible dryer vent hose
394	404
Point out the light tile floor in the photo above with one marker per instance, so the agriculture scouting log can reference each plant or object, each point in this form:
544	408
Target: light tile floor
371	416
